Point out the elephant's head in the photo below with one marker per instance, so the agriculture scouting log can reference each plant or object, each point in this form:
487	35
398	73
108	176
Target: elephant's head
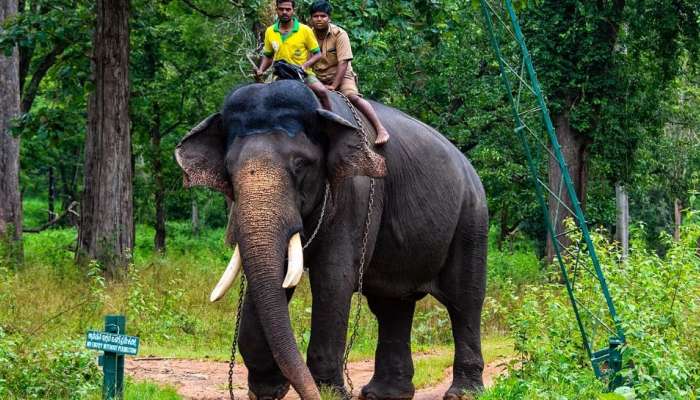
271	150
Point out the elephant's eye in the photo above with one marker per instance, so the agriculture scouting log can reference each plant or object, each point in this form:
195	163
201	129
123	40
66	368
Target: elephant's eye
300	164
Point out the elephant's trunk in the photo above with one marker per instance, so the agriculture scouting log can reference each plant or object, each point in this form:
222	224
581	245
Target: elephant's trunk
266	219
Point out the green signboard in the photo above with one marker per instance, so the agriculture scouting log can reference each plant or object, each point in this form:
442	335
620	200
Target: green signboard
112	342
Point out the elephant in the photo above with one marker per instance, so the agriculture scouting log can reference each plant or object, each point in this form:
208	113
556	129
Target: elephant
274	151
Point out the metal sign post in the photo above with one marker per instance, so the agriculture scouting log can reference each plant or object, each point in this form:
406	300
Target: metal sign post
115	345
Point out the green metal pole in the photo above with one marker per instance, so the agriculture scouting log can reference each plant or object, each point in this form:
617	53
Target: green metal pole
533	172
113	363
562	165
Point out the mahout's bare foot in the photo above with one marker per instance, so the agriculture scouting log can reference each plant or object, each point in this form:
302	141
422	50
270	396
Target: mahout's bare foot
382	136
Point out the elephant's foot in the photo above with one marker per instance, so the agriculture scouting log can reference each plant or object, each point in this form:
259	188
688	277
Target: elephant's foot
267	392
387	390
459	396
464	390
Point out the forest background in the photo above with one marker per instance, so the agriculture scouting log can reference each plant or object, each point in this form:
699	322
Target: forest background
623	86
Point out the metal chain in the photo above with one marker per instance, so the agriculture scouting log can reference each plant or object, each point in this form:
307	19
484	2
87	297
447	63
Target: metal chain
360	281
232	363
320	218
241	294
363	254
355	114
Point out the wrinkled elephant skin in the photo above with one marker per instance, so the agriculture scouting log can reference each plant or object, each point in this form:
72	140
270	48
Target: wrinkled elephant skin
272	149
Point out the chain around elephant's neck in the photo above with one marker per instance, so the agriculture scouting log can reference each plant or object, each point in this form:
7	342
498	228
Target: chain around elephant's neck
320	218
365	237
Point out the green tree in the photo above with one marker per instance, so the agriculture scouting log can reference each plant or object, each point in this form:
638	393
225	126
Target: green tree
606	66
106	231
185	57
53	42
10	203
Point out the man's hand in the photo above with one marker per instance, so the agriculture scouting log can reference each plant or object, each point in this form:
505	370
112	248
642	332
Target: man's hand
264	65
330	87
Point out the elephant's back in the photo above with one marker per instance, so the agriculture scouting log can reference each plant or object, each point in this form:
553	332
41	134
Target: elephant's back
429	187
421	154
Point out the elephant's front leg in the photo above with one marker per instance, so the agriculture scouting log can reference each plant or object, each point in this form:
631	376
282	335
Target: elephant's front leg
332	287
265	380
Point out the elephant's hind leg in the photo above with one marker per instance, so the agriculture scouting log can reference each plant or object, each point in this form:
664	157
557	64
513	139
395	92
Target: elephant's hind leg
462	286
265	380
393	366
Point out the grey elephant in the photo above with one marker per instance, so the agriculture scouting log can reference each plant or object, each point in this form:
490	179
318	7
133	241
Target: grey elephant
272	149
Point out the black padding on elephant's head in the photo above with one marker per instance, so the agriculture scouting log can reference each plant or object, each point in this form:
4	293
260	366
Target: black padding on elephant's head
348	153
279	107
201	155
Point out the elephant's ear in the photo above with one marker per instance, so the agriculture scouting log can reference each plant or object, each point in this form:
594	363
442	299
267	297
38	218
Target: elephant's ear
201	155
348	154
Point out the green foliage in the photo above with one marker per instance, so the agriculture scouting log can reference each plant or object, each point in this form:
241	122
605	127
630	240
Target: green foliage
57	369
429	58
657	298
610	68
627	76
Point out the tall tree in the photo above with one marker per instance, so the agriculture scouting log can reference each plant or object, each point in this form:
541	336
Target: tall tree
107	224
177	73
53	41
606	65
10	201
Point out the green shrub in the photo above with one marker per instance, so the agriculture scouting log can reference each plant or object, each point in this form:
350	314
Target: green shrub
656	298
52	370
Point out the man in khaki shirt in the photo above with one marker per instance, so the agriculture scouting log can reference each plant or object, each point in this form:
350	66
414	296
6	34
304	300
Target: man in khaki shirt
334	69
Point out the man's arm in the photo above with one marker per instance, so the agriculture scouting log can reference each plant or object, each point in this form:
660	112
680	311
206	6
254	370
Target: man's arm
312	46
312	60
339	74
268	53
344	54
264	65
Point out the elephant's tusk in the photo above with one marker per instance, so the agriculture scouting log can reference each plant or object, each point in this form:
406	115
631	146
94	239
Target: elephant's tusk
295	266
233	269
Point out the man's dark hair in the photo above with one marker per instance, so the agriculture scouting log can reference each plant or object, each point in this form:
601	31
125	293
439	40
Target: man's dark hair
321	6
285	1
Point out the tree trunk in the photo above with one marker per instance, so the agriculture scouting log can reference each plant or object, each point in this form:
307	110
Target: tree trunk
574	149
106	218
195	218
623	219
159	240
68	192
677	220
52	195
10	199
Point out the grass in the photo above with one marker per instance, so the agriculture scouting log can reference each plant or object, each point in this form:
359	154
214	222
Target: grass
165	300
149	391
145	391
431	369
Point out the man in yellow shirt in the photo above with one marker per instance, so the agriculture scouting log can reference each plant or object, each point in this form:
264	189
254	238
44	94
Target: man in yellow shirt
289	40
334	69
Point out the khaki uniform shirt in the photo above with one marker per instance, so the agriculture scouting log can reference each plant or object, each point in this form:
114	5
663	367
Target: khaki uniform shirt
335	47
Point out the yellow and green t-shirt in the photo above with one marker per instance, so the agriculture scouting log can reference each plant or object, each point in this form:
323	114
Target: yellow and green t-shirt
293	47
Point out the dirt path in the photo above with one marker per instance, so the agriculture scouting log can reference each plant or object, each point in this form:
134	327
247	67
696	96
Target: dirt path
207	380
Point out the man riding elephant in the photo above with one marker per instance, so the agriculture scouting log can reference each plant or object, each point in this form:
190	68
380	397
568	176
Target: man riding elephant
334	68
291	41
